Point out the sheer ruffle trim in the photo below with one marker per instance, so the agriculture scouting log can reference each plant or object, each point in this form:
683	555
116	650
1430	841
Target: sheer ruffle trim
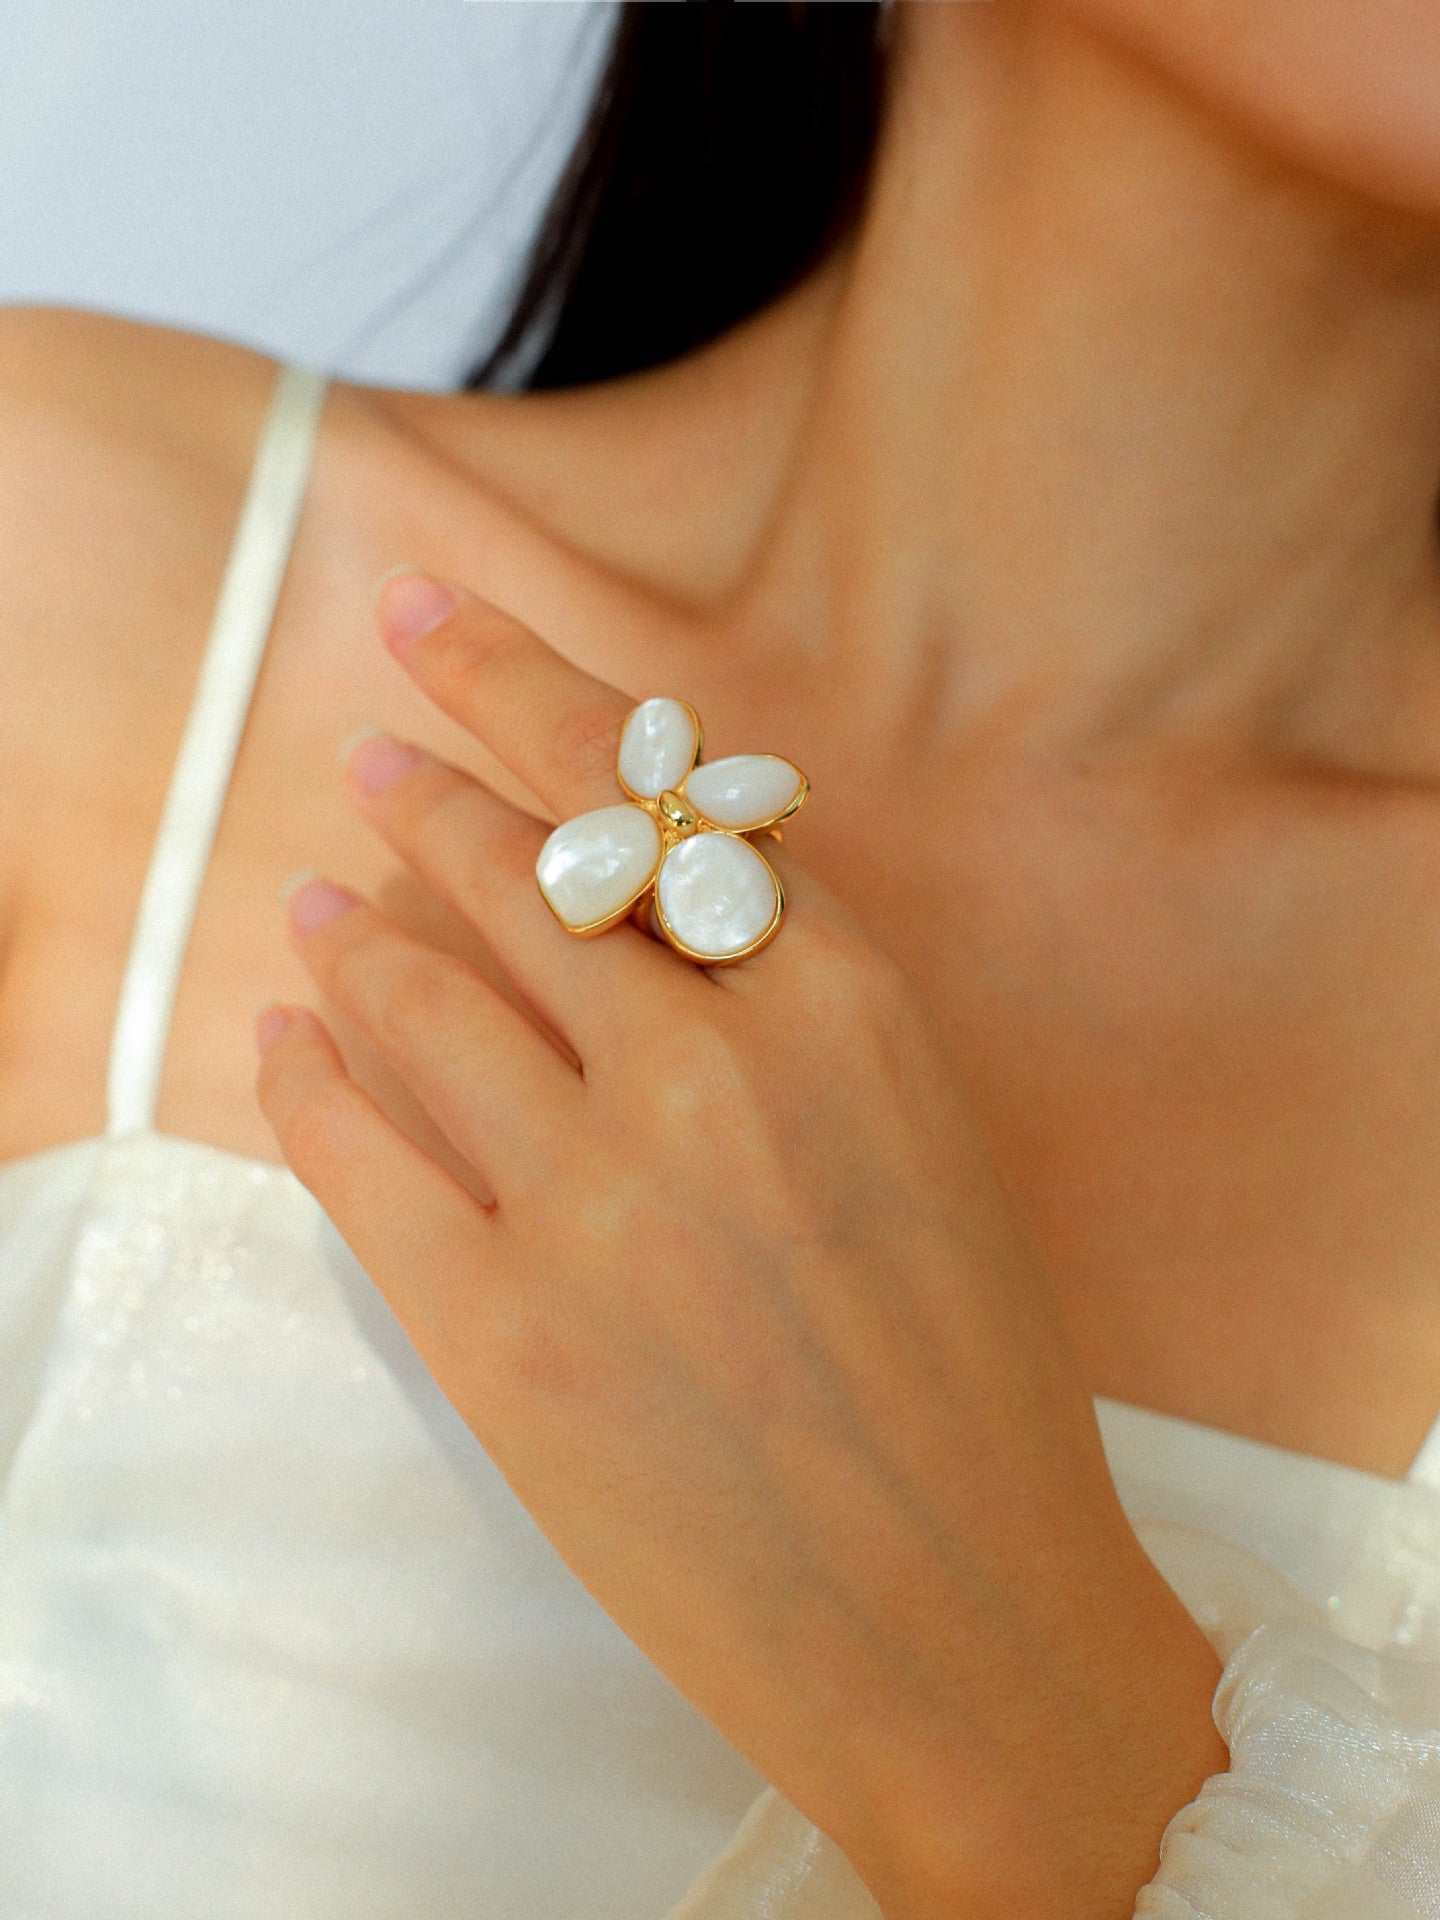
1330	1810
1331	1807
1332	1802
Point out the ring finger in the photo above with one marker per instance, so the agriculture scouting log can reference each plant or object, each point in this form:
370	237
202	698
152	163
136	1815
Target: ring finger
489	1080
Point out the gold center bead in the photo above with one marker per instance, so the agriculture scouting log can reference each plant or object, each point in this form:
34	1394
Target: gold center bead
678	814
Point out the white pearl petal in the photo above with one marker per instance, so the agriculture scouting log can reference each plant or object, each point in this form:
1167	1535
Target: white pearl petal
657	747
597	865
716	895
747	791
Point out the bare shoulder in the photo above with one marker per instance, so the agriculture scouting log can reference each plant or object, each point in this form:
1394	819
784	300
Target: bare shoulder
124	381
109	432
123	457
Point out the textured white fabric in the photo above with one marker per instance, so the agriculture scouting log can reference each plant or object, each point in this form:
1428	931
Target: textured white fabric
1426	1466
352	184
276	1640
1330	1700
778	1867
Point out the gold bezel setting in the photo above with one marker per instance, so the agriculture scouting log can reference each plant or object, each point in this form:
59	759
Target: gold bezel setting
676	828
672	939
611	920
787	812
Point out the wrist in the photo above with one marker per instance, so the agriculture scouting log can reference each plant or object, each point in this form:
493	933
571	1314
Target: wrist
1061	1817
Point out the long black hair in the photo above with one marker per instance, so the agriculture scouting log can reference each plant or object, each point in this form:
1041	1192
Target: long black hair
727	150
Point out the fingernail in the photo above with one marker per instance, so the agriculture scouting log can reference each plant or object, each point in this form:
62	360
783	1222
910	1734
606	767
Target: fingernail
391	573
375	761
352	741
289	888
270	1023
409	606
311	901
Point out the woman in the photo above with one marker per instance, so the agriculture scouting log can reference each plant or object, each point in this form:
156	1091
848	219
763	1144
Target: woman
1147	300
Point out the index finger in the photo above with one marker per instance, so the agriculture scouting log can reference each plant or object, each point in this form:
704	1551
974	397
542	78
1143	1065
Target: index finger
556	729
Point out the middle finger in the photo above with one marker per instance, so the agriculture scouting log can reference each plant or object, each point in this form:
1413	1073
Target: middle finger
487	1077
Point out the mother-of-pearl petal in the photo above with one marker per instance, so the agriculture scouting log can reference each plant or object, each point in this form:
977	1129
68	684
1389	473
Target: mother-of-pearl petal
715	896
657	747
745	792
594	868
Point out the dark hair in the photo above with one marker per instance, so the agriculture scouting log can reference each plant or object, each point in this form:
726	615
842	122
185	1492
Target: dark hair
727	150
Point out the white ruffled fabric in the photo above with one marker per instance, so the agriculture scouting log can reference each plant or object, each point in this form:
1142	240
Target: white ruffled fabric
1331	1807
1320	1588
1332	1804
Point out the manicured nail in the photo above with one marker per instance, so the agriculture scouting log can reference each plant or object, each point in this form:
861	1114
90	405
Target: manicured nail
375	761
311	901
409	606
270	1023
352	741
289	888
390	573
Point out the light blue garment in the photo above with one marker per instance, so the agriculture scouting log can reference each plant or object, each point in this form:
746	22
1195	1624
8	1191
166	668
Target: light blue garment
353	184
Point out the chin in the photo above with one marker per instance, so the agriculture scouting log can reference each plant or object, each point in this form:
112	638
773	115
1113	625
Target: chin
1350	91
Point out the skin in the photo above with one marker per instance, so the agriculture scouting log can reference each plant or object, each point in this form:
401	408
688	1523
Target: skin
746	1322
1074	529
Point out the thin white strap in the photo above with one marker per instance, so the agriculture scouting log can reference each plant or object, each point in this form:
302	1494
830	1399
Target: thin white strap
201	779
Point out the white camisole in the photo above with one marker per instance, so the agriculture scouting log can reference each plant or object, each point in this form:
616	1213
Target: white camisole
277	1640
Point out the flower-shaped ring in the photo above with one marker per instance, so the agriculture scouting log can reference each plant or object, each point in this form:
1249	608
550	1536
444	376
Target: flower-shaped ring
678	844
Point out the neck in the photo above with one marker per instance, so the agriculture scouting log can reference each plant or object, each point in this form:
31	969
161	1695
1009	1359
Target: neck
1119	412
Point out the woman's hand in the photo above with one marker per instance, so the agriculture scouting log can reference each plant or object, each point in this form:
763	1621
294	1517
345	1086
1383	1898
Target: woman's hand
747	1326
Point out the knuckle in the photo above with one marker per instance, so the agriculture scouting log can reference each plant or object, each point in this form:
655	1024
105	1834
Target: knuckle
703	1073
870	973
349	979
587	739
394	988
846	976
838	951
315	1133
415	998
466	655
469	851
609	1215
429	826
408	806
473	637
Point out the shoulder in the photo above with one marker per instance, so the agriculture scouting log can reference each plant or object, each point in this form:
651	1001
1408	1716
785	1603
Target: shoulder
72	381
124	451
123	456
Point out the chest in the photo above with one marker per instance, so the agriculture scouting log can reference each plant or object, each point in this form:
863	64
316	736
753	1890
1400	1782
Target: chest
1201	1022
